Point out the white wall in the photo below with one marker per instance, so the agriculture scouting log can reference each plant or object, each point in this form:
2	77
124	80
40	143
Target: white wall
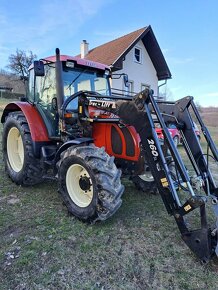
139	73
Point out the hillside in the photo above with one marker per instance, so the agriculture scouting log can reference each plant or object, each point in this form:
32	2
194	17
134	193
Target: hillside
12	81
210	116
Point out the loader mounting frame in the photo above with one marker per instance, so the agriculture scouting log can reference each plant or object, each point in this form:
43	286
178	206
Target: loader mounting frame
139	112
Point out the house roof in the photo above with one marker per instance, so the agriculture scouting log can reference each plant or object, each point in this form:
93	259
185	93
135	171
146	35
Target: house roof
5	88
113	52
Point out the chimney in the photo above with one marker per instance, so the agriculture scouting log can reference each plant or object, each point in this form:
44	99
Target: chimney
84	48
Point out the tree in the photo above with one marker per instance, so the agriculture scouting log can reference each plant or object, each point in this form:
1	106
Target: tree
20	62
4	72
199	107
200	110
166	94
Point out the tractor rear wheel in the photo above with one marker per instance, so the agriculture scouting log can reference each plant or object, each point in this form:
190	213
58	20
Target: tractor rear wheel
89	183
176	140
20	164
145	182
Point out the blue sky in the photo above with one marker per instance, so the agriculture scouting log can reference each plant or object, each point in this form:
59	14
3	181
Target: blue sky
186	31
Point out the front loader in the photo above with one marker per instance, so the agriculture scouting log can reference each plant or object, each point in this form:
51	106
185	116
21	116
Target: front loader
71	124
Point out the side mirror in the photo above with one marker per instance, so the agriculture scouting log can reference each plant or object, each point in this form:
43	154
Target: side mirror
126	80
39	68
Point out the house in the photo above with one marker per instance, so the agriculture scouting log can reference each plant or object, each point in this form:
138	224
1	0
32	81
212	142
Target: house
10	83
137	54
5	89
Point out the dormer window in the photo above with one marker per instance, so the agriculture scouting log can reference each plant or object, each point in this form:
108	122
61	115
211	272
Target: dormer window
137	55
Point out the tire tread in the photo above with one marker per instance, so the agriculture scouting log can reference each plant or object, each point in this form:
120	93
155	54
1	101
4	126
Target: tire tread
107	178
32	172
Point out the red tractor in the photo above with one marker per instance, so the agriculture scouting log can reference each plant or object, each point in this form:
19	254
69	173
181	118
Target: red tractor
71	124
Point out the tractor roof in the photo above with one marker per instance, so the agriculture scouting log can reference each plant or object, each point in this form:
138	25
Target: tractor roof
79	61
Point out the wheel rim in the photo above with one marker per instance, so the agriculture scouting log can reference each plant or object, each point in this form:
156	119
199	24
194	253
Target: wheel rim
15	149
79	185
176	141
147	177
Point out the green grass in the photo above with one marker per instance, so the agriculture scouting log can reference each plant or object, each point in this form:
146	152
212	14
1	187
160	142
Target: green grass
42	247
3	102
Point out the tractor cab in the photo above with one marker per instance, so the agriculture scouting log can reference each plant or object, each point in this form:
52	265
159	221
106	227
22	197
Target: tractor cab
49	89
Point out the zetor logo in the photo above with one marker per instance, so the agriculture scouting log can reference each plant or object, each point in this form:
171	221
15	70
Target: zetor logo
103	104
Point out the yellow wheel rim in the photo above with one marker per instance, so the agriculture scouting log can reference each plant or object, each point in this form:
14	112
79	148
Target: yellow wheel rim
79	185
15	149
147	176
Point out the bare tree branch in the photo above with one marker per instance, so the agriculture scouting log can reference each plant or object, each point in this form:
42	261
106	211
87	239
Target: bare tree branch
20	62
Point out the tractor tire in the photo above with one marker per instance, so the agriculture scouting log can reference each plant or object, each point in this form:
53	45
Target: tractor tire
176	141
145	183
89	183
20	164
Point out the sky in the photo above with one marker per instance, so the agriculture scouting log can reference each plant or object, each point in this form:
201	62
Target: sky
186	30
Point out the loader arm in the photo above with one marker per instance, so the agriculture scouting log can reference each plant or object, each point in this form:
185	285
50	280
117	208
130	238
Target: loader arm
139	112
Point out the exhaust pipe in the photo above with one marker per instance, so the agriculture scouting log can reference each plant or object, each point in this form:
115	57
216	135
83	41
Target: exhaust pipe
59	81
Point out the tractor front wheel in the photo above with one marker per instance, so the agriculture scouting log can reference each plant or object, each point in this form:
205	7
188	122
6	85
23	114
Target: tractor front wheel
20	164
89	183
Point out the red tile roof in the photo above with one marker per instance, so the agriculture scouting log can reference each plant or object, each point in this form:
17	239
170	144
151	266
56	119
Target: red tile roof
109	52
113	52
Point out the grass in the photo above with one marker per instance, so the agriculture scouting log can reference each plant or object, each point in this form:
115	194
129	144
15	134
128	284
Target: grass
42	247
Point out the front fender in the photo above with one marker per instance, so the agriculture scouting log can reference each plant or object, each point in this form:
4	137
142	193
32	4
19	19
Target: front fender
36	124
68	144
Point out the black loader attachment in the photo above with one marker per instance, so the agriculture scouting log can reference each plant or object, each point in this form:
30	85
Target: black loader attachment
181	193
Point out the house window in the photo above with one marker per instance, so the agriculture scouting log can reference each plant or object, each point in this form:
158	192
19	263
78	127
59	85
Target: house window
138	55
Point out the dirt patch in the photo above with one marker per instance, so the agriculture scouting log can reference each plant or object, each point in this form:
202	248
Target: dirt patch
13	199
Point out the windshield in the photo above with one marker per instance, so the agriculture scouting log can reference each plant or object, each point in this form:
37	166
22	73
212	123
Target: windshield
83	80
80	79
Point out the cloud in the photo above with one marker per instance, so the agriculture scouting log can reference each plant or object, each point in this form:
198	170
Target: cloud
176	89
165	50
112	34
213	95
106	36
209	96
69	18
2	19
45	27
178	61
208	99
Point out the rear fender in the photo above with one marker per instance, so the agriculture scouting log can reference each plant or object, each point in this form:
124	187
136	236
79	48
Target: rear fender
36	124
